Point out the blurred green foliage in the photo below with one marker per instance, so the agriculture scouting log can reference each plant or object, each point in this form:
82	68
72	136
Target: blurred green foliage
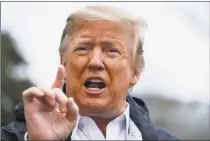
11	85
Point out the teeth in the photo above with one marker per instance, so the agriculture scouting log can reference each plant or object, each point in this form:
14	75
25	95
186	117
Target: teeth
96	80
94	89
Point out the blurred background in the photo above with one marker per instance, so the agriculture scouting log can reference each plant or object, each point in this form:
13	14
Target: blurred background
175	81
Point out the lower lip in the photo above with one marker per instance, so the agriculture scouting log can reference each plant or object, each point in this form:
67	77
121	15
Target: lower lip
96	92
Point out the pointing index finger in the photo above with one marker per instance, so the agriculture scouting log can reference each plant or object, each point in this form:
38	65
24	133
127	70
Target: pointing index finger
58	83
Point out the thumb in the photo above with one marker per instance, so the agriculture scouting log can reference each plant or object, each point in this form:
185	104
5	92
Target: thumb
58	83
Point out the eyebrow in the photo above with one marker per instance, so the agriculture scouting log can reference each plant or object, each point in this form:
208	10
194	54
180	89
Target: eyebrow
80	40
86	39
109	41
85	36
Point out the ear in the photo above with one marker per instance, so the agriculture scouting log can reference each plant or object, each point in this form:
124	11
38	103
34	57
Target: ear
62	61
133	80
134	77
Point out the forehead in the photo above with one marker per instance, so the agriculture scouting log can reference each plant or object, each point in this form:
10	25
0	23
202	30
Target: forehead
101	29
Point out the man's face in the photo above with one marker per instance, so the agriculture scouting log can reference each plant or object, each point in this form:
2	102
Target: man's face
98	68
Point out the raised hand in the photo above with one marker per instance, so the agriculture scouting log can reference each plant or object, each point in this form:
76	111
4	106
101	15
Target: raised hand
50	115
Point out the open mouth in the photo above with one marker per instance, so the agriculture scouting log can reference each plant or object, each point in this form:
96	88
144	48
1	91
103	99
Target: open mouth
95	84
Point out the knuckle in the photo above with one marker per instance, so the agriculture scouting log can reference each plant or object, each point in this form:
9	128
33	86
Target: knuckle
57	90
76	108
49	93
33	89
29	91
59	93
46	91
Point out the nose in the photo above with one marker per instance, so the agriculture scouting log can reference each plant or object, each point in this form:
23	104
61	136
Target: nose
96	60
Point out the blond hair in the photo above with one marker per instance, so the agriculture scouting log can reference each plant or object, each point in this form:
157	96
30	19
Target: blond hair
136	27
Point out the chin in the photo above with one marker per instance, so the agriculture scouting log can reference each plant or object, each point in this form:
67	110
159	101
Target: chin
92	106
95	103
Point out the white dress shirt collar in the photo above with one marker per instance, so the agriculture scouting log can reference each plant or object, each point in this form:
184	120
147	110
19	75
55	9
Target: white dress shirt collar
117	129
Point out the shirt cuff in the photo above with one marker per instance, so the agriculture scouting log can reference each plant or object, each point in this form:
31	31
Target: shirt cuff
26	137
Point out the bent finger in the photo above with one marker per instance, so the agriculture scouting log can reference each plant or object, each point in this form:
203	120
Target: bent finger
72	110
49	96
61	99
31	93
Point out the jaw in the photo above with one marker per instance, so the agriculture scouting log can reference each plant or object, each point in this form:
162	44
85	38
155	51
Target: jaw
102	111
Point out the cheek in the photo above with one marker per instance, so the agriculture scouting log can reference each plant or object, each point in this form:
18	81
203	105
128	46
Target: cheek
119	74
75	67
118	69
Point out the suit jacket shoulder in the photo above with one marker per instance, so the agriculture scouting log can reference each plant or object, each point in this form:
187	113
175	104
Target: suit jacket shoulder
139	113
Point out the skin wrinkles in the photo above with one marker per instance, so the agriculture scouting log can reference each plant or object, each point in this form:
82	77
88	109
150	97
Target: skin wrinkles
99	44
84	40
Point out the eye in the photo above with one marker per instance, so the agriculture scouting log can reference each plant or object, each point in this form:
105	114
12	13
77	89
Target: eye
81	50
113	52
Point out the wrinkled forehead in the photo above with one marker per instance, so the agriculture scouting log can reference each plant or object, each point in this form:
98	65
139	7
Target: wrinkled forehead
93	31
101	30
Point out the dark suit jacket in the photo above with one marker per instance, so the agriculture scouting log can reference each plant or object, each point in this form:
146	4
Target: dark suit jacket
139	114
